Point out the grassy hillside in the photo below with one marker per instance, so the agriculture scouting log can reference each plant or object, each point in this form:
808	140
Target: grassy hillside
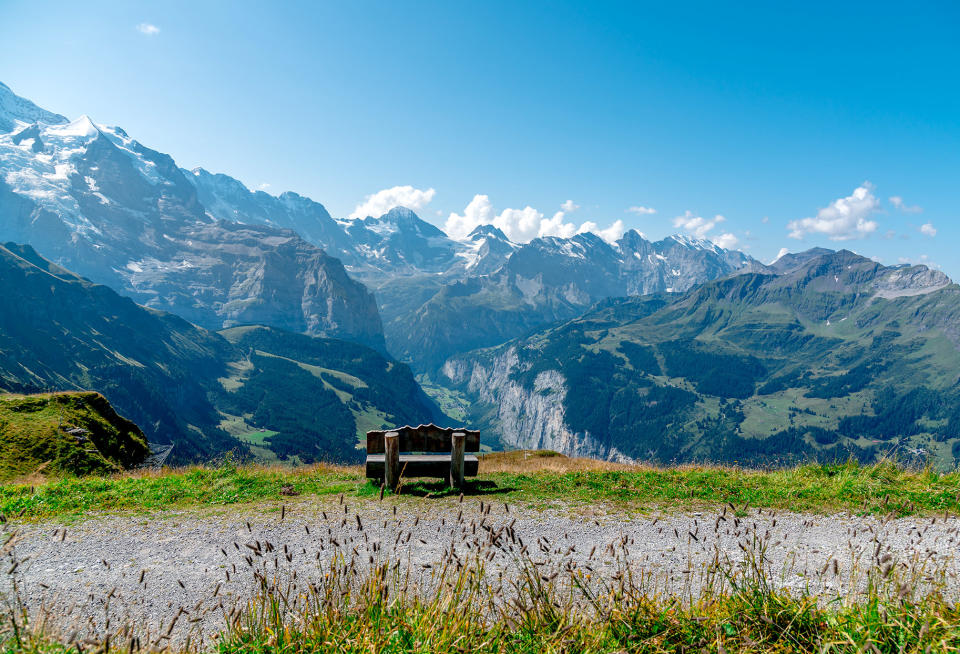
840	358
59	331
65	433
291	395
256	392
524	477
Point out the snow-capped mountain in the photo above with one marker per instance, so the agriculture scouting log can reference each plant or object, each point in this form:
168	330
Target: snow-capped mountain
544	281
674	264
226	198
374	248
487	249
205	246
400	242
98	202
381	249
19	112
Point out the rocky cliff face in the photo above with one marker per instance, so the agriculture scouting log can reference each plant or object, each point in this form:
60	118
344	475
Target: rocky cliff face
526	417
864	358
248	274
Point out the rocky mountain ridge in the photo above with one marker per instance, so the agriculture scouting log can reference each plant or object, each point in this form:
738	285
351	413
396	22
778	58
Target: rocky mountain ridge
250	389
838	357
97	201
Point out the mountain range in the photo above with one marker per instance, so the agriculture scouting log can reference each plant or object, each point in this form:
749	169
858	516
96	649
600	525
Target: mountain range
836	356
247	389
100	203
222	318
205	247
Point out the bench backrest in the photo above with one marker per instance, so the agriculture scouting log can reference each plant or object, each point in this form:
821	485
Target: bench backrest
424	438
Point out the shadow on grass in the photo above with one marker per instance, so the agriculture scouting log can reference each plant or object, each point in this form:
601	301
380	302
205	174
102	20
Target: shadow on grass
471	487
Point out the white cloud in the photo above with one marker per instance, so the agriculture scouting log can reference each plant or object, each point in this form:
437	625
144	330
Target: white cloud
641	210
556	227
726	240
148	29
569	206
399	196
521	225
697	225
927	229
899	204
263	186
780	254
844	219
701	227
765	220
478	212
611	234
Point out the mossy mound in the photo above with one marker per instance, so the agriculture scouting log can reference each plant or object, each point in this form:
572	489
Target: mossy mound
66	433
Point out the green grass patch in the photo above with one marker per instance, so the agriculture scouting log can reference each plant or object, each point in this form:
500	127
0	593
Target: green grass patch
65	433
877	489
78	496
258	436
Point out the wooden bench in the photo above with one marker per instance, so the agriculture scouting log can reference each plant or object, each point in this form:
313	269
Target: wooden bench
423	451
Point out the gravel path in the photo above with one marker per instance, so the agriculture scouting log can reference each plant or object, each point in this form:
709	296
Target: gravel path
196	565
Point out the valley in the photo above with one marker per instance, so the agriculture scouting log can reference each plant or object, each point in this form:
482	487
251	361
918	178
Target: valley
190	387
822	361
267	328
663	296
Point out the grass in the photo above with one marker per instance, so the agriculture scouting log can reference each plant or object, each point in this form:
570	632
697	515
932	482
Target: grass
491	593
535	478
257	436
57	432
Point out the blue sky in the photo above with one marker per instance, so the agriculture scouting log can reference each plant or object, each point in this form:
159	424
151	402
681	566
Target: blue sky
802	119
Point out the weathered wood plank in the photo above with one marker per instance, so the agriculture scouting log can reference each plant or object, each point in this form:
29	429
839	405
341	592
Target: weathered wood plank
457	442
423	438
422	465
391	472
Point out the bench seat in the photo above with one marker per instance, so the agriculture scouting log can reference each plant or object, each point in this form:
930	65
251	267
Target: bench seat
422	465
424	451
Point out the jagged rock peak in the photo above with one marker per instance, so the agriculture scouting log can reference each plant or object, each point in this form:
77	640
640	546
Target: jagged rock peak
485	231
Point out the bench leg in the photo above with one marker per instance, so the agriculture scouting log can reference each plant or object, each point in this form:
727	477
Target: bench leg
391	460
457	446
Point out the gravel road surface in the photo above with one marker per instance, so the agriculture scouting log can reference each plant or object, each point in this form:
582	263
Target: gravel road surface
197	565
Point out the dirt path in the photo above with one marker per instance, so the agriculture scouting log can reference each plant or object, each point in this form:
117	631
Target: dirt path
194	564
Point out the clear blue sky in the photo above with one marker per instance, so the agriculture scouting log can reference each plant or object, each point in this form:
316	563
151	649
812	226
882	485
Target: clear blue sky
764	113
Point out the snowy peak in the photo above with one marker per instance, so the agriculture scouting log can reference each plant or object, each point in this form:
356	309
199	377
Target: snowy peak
487	231
695	243
485	250
121	214
400	241
17	113
401	219
585	245
82	128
